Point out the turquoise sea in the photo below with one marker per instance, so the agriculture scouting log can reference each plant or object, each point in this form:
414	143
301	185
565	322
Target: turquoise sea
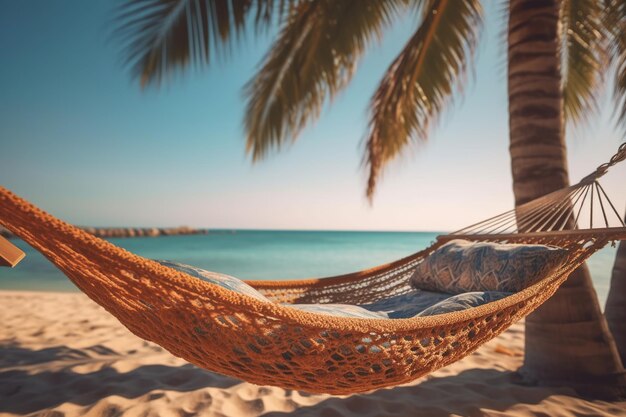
264	254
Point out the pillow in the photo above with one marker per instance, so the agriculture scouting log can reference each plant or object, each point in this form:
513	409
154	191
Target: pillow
237	285
341	310
463	302
461	266
225	281
406	305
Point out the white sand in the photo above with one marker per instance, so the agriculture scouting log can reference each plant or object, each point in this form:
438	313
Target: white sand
63	355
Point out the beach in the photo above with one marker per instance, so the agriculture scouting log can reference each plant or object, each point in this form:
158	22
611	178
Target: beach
195	167
63	355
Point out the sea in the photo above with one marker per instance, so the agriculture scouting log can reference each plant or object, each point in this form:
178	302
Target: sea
266	254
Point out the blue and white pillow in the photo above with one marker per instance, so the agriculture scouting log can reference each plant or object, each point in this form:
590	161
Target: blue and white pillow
225	281
462	266
238	286
406	305
339	310
463	301
402	306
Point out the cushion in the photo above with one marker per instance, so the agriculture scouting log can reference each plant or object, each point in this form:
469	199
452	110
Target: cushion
225	281
400	306
341	310
406	305
462	266
237	285
463	301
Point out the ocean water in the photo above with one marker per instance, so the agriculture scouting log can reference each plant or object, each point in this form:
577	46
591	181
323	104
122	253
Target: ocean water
261	254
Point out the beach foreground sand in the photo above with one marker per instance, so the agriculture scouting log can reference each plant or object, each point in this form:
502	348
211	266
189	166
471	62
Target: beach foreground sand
63	355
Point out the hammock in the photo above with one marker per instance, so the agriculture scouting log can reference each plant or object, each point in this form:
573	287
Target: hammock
273	344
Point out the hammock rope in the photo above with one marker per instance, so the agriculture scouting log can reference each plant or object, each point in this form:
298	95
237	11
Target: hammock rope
558	211
272	344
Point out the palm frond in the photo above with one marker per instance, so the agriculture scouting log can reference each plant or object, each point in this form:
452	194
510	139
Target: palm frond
421	81
312	59
615	27
164	36
583	56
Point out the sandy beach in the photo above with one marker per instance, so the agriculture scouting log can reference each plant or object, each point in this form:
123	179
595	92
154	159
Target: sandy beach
63	355
446	168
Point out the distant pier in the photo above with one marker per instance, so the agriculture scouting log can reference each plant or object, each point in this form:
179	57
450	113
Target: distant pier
112	232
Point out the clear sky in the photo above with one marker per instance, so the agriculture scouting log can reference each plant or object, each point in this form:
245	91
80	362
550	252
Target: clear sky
79	138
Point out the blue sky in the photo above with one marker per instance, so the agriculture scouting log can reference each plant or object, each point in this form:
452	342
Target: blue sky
79	138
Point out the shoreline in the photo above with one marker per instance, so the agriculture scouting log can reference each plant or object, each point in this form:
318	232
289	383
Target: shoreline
61	354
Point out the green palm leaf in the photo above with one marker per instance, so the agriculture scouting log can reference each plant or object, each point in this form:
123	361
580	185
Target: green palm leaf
162	36
421	81
313	58
615	24
583	56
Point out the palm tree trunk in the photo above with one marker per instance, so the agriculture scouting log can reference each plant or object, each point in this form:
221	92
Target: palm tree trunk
567	339
615	311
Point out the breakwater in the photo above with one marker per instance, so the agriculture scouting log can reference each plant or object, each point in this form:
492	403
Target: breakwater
111	232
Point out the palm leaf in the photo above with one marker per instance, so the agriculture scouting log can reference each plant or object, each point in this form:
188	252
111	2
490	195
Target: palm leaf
615	27
421	81
312	59
583	56
163	36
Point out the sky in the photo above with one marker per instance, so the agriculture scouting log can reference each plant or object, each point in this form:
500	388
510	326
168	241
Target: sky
82	140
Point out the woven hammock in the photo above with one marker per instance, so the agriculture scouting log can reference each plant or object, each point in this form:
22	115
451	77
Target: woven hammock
273	344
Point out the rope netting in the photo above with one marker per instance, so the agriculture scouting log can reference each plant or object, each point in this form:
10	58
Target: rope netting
269	343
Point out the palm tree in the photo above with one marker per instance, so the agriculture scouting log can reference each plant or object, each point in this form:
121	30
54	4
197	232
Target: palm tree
562	343
616	303
615	306
315	54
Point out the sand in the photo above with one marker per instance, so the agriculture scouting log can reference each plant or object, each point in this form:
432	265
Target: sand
63	355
